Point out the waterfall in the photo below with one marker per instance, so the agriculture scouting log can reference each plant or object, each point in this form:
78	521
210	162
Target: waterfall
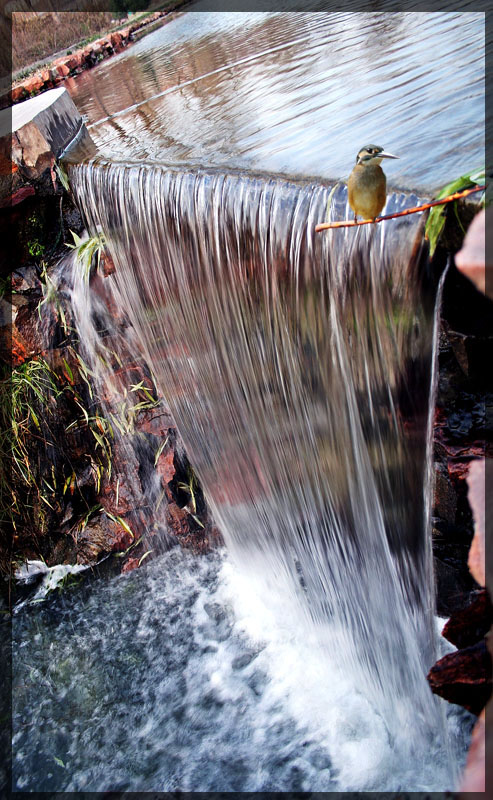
298	369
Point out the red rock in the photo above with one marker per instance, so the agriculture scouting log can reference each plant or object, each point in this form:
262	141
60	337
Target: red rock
107	265
116	40
74	61
46	76
165	467
458	469
10	348
464	677
130	564
178	520
157	420
28	328
17	93
33	85
62	70
469	625
18	196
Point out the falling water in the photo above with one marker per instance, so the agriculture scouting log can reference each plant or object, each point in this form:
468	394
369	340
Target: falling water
298	369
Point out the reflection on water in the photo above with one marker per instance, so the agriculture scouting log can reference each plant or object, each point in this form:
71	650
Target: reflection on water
297	93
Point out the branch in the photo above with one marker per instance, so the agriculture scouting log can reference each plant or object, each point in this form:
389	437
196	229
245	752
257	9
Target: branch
348	223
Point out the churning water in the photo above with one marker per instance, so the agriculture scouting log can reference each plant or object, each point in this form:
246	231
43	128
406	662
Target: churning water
177	676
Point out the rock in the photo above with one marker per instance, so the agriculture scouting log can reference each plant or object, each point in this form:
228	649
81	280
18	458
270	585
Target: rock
32	136
19	196
469	625
130	564
17	93
116	40
121	492
165	467
28	330
101	535
157	420
453	582
239	662
74	61
62	69
178	520
444	497
464	677
33	84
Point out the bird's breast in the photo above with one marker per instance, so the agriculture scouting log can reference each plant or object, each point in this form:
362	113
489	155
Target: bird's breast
367	190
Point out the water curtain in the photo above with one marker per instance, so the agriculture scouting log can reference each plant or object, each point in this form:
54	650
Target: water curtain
298	369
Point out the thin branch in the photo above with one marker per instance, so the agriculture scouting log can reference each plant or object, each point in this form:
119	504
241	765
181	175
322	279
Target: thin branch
348	223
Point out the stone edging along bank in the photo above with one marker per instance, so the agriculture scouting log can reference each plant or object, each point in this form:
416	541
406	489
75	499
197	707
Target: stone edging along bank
56	72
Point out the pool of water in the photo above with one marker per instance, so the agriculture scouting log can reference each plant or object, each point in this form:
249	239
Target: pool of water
178	677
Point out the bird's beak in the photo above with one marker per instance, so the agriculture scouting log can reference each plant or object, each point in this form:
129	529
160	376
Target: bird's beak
387	155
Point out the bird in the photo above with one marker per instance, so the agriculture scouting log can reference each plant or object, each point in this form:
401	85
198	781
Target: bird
367	185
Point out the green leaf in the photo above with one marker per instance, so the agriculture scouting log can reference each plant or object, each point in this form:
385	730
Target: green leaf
436	218
69	371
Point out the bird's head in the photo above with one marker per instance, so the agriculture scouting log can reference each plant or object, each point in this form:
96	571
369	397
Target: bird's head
371	155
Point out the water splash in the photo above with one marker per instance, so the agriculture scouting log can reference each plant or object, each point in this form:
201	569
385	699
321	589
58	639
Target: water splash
298	369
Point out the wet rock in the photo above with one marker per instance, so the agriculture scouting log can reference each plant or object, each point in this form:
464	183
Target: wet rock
130	564
26	279
157	421
445	498
464	677
178	520
18	196
243	660
101	535
165	467
121	491
28	329
467	626
216	612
